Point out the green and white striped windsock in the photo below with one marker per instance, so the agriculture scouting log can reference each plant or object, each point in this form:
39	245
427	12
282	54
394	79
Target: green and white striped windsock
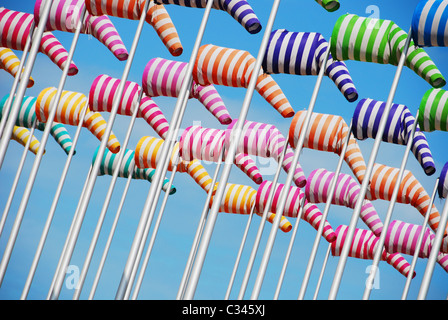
329	5
433	110
380	41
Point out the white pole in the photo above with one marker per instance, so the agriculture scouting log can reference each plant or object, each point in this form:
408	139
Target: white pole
322	271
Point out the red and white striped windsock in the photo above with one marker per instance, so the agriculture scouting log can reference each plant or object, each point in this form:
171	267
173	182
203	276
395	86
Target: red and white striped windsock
22	135
162	77
346	194
10	63
234	68
15	29
364	246
65	15
68	111
157	17
328	133
103	92
311	212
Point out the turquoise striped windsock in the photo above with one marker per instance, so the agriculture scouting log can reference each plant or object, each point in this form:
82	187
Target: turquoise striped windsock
380	41
433	110
429	23
442	187
329	5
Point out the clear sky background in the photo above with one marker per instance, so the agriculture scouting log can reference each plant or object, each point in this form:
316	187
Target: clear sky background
182	213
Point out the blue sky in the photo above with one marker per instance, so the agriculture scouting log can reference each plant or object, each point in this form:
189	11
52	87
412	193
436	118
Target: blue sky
183	210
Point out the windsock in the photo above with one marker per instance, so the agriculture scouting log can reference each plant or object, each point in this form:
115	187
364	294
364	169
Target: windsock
366	119
303	53
240	10
364	246
380	41
69	110
328	133
433	111
311	212
157	17
429	23
163	77
64	16
10	63
233	68
329	5
442	187
109	164
346	194
22	135
103	92
15	29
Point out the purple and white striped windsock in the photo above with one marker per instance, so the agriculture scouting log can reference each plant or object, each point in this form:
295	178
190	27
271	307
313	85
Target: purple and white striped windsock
442	187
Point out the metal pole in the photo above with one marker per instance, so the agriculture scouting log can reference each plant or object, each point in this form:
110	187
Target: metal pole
355	217
324	265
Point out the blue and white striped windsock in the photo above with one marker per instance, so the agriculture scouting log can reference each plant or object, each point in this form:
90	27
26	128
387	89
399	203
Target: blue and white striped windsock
366	119
430	23
303	53
442	187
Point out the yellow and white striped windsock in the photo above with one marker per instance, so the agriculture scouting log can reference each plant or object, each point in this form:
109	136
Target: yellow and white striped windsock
234	68
69	110
10	63
157	17
21	135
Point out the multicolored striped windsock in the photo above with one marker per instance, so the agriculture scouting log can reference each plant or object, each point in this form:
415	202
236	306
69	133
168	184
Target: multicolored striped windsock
311	212
21	135
157	17
364	246
433	111
329	5
109	164
68	111
64	16
10	63
103	92
366	119
303	53
429	23
380	41
15	29
162	77
442	187
234	68
328	133
346	194
240	10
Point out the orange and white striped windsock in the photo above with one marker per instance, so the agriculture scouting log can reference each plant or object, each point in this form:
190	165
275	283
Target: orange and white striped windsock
328	133
68	111
64	16
10	63
22	135
346	194
364	246
162	77
157	17
103	92
15	29
234	68
311	212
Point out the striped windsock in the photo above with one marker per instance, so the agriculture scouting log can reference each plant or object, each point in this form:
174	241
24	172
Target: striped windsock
68	111
310	214
429	23
410	192
433	111
380	41
15	29
234	68
442	187
60	134
240	10
328	133
21	135
109	164
346	194
157	17
10	63
329	5
364	246
303	53
366	119
64	16
162	77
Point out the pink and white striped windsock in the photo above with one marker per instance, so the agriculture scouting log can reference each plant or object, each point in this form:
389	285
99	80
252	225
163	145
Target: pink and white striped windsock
234	68
22	135
65	15
346	194
103	92
157	17
364	246
162	77
68	111
15	29
311	212
10	63
328	133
